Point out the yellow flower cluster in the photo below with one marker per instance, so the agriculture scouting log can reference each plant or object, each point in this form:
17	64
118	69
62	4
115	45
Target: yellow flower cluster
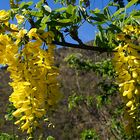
33	74
4	16
127	65
40	86
34	83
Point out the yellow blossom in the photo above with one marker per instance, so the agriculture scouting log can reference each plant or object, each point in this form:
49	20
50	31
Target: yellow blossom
20	18
129	104
25	126
32	33
33	74
4	16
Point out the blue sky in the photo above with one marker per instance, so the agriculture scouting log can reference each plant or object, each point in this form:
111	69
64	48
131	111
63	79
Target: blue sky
86	32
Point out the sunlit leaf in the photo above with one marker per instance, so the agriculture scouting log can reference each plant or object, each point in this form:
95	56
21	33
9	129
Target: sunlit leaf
47	8
64	20
131	3
118	12
38	5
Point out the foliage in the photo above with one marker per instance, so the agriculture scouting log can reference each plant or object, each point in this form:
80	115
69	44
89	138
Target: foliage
103	68
5	136
89	134
9	111
107	90
76	100
50	138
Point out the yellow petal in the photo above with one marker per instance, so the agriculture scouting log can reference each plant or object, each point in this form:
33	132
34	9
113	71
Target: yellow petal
125	93
25	126
17	113
32	33
129	104
136	91
30	130
134	74
17	122
19	18
129	95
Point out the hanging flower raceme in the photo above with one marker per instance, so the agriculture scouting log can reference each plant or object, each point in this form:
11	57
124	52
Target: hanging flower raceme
32	70
35	87
127	64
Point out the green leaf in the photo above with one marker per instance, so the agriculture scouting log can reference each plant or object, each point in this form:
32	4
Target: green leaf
22	4
118	12
45	19
50	138
25	4
107	13
56	1
113	27
70	9
43	26
101	20
38	5
36	13
64	20
101	16
29	3
131	3
135	12
95	11
61	9
47	8
5	136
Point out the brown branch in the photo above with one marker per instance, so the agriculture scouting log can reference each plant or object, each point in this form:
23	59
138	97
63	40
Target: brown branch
79	46
83	46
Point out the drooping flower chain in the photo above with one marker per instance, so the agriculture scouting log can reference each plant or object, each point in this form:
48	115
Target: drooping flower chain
33	74
127	65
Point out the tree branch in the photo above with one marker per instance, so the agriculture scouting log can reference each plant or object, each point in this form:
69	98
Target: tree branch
71	45
83	46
